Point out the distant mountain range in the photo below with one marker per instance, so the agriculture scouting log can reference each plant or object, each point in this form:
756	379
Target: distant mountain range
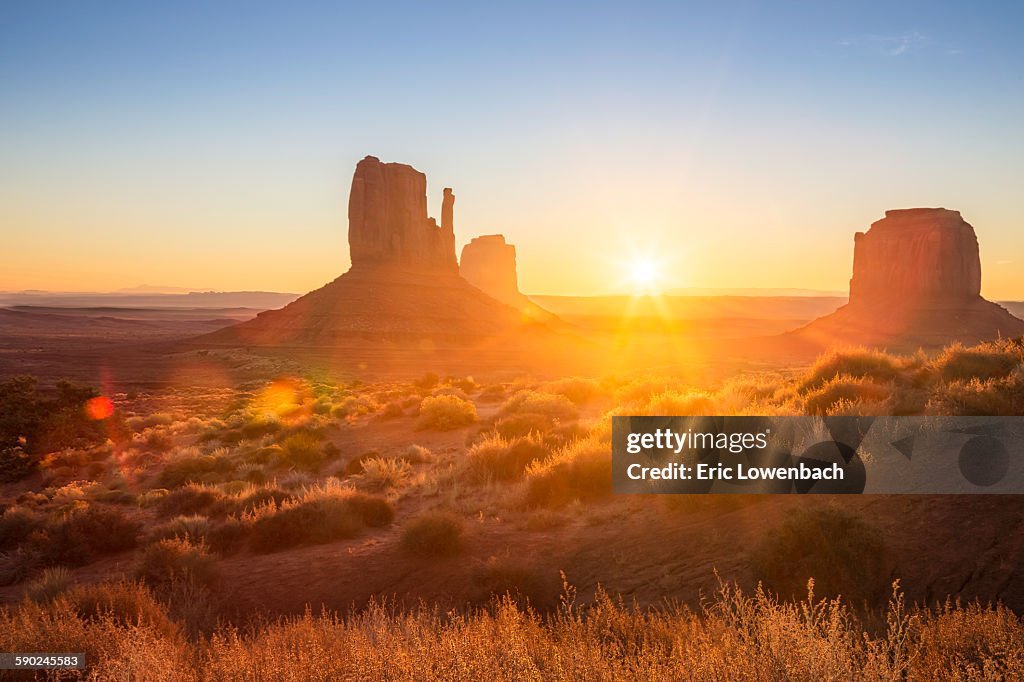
259	300
753	291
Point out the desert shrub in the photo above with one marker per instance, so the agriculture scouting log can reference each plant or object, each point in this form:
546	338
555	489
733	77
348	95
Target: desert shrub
450	390
580	471
1004	397
392	410
158	441
987	361
523	424
492	394
427	381
107	529
295	480
685	404
251	473
467	383
858	408
71	457
565	433
381	473
152	497
16	464
115	496
155	419
228	535
323	514
550	405
271	453
907	400
167	561
502	459
36	423
639	391
231	436
433	534
580	390
417	454
195	528
374	511
303	450
262	425
189	466
858	363
52	583
353	406
191	499
445	412
355	465
303	523
253	498
842	388
84	534
845	555
16	525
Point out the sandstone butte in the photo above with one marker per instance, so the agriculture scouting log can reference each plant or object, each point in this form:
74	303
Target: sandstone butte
489	264
403	286
916	281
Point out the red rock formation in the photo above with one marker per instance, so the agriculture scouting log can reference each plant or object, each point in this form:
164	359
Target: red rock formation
913	256
403	287
489	264
916	282
388	223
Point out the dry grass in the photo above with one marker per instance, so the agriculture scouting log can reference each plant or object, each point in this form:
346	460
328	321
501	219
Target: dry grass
384	473
734	636
581	471
496	458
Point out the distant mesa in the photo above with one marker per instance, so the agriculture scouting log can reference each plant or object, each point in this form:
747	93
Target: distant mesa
489	264
404	284
916	281
919	256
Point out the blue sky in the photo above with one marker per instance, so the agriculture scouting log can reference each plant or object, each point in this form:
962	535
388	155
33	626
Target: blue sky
739	143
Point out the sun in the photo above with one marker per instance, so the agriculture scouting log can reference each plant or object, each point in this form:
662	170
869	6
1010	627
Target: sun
645	275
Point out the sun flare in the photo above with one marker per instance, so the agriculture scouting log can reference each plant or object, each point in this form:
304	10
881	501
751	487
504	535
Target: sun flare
645	275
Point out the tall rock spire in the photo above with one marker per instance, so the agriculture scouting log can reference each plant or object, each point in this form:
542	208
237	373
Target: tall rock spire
388	223
447	211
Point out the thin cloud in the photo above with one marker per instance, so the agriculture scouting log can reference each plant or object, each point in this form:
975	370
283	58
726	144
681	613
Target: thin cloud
893	45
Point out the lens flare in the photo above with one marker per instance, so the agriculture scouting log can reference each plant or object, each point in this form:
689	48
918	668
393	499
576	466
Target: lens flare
99	408
289	400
